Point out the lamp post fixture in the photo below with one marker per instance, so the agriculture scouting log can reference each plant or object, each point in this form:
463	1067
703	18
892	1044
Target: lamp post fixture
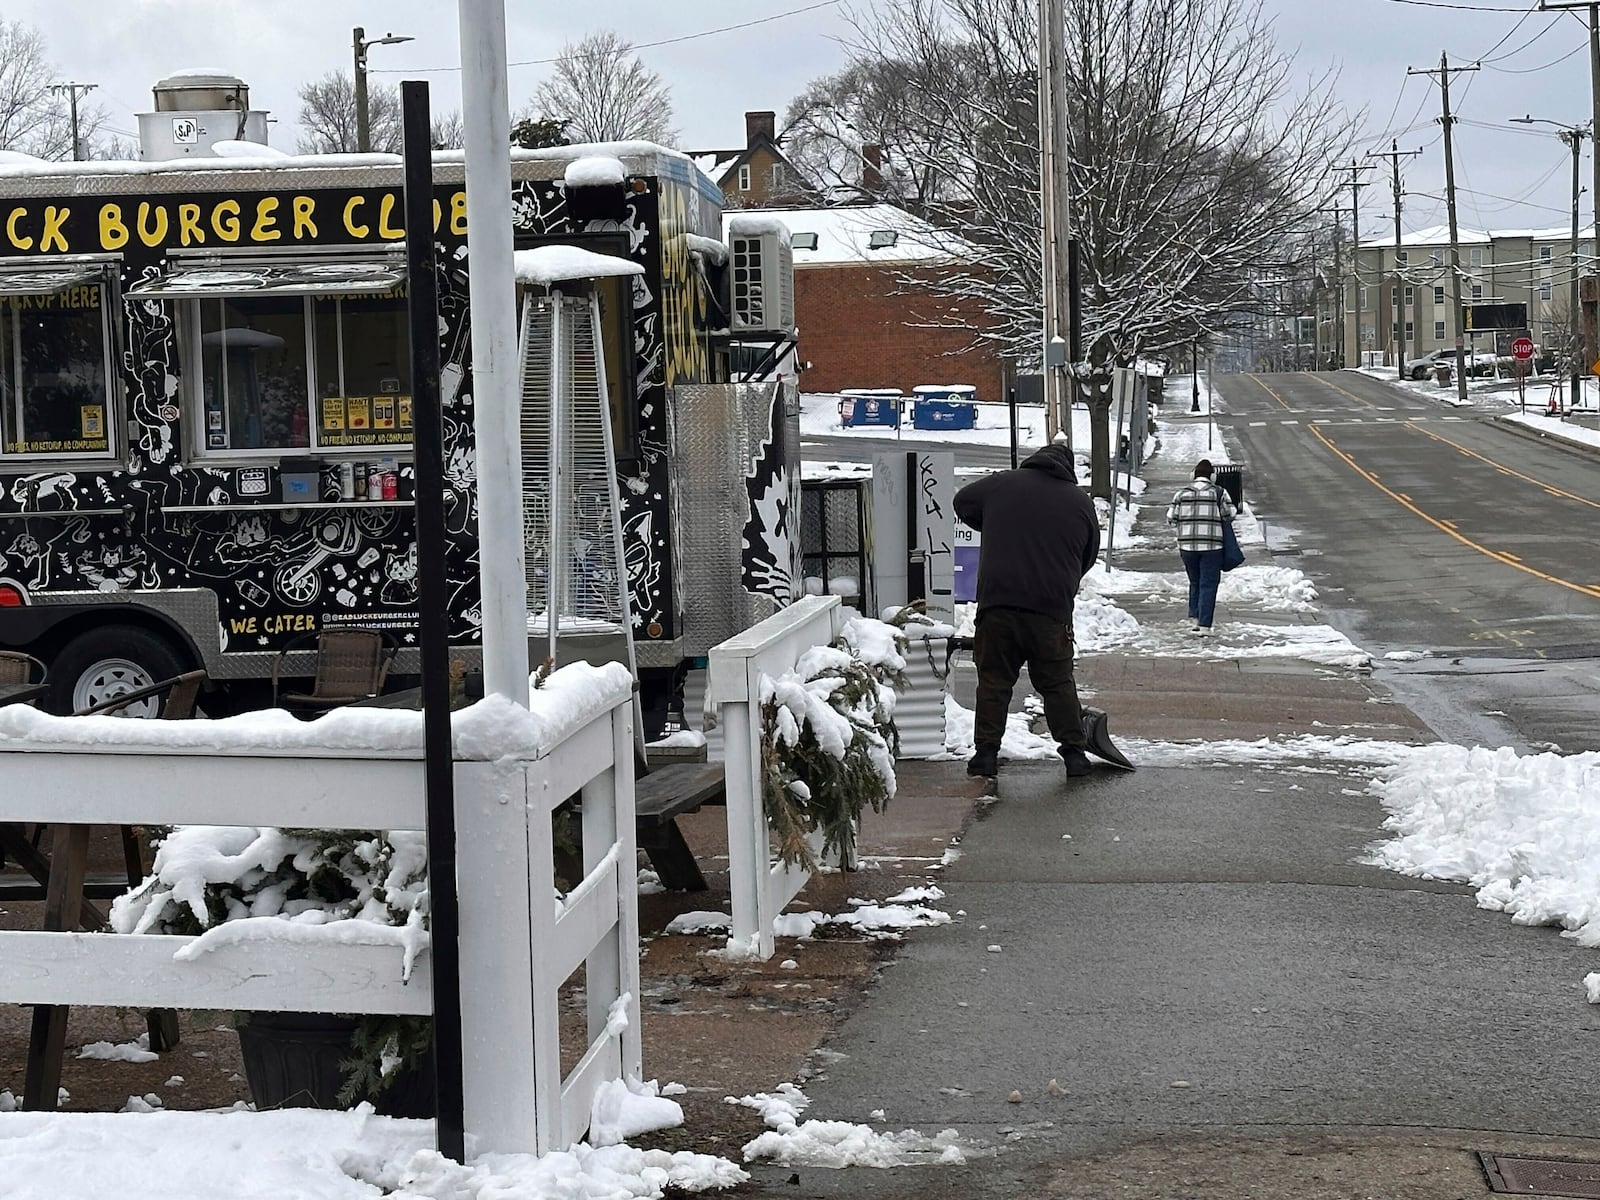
1573	136
361	42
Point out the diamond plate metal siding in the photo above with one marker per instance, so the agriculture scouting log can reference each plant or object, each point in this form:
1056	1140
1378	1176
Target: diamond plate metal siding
718	430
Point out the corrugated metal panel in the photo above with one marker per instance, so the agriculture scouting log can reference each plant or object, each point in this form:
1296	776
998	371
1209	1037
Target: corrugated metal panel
919	709
694	699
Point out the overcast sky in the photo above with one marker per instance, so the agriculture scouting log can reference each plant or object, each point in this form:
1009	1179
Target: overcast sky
1509	176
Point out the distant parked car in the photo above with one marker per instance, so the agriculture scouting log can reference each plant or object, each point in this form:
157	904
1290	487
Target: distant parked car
1479	365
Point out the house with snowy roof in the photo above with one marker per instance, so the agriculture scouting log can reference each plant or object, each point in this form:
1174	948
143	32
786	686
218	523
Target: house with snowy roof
759	174
867	307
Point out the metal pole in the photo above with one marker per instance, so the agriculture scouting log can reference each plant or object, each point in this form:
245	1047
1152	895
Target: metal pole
497	426
1011	403
555	555
1586	356
1194	375
1047	226
433	602
363	139
1399	281
1455	244
1575	136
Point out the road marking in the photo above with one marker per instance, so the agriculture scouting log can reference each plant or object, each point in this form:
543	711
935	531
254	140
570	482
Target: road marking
1548	487
1342	392
1448	527
1270	392
1404	497
1253	424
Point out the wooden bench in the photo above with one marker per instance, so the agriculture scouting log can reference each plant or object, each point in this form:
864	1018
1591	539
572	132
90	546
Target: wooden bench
660	798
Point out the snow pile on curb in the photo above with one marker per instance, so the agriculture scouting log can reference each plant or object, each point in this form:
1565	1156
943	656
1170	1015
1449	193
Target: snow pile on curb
884	921
1523	830
626	1108
137	1051
792	1143
1018	742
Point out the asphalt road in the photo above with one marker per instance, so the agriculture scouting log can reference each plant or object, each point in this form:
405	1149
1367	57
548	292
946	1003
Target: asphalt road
1437	529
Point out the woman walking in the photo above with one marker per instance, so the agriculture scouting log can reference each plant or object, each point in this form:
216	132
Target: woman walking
1199	510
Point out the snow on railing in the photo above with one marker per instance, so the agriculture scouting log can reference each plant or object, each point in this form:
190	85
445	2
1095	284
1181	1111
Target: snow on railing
761	885
518	947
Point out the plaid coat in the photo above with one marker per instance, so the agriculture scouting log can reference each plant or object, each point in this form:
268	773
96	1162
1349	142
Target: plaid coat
1198	510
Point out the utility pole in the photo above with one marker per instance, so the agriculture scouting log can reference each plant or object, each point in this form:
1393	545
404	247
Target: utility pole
1356	184
1443	72
72	90
1055	200
1572	136
1394	156
1586	353
361	42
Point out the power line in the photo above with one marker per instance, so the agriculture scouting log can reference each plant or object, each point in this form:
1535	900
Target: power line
1542	66
671	41
1487	8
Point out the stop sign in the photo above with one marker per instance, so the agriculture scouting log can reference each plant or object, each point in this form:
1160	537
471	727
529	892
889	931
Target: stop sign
1522	348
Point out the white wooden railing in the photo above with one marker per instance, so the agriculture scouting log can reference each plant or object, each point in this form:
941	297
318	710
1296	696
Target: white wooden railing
518	943
761	885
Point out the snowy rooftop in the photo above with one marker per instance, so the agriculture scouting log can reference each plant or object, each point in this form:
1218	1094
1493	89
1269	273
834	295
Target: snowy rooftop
845	235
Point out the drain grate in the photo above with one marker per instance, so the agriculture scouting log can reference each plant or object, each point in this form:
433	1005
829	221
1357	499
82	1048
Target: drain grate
1541	1176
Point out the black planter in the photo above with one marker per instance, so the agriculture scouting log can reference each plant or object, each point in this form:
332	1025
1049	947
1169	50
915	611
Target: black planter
291	1060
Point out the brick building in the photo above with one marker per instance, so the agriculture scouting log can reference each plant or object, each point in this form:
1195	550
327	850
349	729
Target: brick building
863	322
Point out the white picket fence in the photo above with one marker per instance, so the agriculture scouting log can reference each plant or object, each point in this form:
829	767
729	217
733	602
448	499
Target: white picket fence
519	944
761	885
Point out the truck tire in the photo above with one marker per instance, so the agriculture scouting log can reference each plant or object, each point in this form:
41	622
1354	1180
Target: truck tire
108	662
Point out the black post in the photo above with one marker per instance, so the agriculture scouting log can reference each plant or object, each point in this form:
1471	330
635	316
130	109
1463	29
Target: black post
1074	332
432	600
1011	403
916	569
1194	379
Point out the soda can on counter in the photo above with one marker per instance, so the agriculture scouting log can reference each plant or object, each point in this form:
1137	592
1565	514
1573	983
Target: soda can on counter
358	472
391	485
347	481
375	484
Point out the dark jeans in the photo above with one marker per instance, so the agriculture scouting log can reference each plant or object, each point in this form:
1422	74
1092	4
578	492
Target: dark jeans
1205	573
1006	638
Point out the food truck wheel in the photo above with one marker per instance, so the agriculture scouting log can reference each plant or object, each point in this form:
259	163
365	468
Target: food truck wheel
109	662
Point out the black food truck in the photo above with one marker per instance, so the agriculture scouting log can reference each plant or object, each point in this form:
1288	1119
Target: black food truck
205	411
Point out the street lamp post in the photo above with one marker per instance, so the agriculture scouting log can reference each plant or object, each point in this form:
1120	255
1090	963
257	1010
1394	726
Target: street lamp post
361	42
1573	136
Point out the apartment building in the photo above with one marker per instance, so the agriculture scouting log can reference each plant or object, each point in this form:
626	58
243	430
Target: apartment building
1529	266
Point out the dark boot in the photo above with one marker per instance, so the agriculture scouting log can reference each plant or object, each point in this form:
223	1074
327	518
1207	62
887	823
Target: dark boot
984	763
1077	762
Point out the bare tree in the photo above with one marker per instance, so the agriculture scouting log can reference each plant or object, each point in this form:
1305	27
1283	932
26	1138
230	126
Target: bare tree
1193	157
33	119
447	131
601	92
328	116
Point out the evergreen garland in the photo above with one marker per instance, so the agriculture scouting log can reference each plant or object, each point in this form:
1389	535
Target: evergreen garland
828	743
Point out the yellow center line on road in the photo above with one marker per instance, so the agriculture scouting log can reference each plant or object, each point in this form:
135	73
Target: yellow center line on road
1342	392
1504	470
1445	527
1283	403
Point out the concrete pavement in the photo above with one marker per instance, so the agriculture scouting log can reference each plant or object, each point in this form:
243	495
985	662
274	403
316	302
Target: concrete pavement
1229	1003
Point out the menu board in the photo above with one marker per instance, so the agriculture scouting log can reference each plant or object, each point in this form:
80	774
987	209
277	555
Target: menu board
383	420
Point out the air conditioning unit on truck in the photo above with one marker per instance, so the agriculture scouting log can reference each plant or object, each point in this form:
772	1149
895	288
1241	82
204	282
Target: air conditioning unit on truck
204	362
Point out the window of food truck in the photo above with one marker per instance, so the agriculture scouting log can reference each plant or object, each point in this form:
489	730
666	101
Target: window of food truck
616	325
55	365
300	372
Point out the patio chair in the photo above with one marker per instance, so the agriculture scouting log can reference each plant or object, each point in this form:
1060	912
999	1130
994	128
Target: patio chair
182	693
351	664
17	667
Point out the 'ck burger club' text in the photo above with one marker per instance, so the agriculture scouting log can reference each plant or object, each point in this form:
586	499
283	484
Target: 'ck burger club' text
256	220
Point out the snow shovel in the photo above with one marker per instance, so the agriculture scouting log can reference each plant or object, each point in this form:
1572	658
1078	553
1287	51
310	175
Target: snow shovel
1099	739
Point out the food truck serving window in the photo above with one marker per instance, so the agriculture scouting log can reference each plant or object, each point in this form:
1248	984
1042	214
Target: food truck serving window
55	363
294	356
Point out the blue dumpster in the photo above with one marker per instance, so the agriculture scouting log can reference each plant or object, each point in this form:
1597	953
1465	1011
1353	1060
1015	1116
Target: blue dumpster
875	406
944	406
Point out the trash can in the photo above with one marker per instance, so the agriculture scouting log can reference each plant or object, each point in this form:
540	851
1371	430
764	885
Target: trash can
1441	374
1230	478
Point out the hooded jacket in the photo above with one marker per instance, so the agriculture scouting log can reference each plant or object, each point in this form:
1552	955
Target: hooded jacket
1040	534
